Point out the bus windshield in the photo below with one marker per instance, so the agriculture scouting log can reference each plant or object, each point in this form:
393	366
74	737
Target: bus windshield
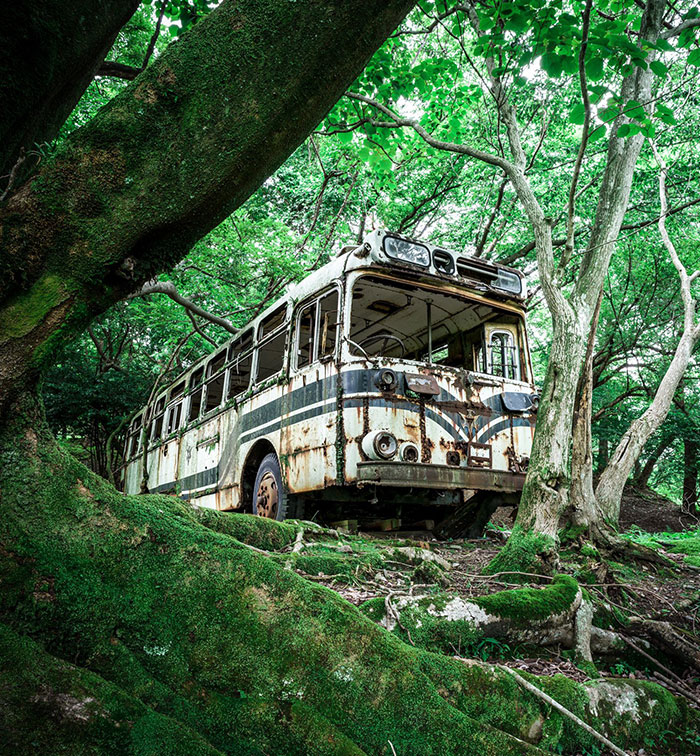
404	321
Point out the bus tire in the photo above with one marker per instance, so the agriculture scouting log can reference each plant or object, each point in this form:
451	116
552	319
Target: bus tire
269	496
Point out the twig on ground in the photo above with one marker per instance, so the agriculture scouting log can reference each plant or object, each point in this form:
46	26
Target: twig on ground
643	653
563	710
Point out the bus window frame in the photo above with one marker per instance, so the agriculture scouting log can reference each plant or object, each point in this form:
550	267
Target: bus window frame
192	389
283	328
158	415
172	402
209	377
502	330
315	299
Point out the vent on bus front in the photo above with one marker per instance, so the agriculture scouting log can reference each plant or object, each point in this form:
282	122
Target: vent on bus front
476	270
443	262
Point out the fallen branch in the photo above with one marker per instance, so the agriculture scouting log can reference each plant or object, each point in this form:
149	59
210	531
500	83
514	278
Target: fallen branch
563	710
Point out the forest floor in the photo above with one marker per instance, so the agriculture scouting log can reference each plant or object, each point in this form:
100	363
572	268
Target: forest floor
390	575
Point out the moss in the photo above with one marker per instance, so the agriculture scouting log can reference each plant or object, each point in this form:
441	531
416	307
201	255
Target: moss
528	604
51	706
257	531
589	550
572	533
525	551
443	622
27	310
691	547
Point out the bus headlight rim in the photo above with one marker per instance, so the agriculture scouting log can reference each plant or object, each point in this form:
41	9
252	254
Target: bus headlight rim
380	445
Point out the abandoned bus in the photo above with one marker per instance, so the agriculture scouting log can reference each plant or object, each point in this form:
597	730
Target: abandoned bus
397	375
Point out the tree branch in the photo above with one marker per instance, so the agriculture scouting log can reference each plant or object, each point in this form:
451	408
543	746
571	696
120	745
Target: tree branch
168	288
118	70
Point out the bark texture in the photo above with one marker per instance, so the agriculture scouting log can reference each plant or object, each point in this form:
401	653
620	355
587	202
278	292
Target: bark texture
612	481
185	144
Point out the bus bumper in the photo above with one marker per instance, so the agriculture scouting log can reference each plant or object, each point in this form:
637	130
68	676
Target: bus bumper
417	475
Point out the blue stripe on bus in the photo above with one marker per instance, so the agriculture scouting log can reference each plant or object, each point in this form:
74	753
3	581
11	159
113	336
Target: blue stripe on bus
275	415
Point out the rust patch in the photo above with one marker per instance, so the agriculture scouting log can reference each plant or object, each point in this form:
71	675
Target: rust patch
426	445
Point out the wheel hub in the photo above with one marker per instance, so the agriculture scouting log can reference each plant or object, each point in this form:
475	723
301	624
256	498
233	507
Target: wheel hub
267	497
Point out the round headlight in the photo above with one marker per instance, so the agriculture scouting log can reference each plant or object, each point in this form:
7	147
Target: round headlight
385	445
380	445
386	380
409	452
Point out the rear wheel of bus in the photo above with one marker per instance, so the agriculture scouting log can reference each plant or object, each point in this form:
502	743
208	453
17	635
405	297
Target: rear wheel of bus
269	497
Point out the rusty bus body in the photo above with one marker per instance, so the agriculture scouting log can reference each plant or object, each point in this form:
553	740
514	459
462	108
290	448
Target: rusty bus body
399	371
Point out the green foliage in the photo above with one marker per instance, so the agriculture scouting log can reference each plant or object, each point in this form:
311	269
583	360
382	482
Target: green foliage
686	542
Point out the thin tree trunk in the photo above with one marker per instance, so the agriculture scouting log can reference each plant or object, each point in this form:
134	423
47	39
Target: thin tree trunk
582	503
690	475
603	454
643	480
612	480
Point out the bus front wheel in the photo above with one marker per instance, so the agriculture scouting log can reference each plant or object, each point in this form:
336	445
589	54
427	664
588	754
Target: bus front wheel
269	498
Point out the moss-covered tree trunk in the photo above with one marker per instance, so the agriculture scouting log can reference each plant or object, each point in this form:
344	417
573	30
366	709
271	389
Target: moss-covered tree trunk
166	160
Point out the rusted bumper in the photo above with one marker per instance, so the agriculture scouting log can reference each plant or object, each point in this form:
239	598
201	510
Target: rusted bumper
405	474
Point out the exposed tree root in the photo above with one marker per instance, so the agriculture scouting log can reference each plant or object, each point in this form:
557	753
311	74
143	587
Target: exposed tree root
164	606
663	635
540	694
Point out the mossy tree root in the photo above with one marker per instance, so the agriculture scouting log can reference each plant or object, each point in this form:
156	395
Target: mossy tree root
165	617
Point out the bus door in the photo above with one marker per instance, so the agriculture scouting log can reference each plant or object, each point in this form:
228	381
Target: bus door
308	440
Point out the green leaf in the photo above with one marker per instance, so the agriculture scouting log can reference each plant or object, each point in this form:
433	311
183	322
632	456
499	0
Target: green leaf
596	134
577	113
551	63
694	57
658	68
610	113
624	130
594	69
345	137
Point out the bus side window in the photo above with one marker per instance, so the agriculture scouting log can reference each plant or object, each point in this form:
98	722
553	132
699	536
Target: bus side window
134	436
328	325
239	375
306	329
215	384
157	422
174	414
271	356
503	357
196	395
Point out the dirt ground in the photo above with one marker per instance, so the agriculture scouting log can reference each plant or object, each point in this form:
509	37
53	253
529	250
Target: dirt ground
654	513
